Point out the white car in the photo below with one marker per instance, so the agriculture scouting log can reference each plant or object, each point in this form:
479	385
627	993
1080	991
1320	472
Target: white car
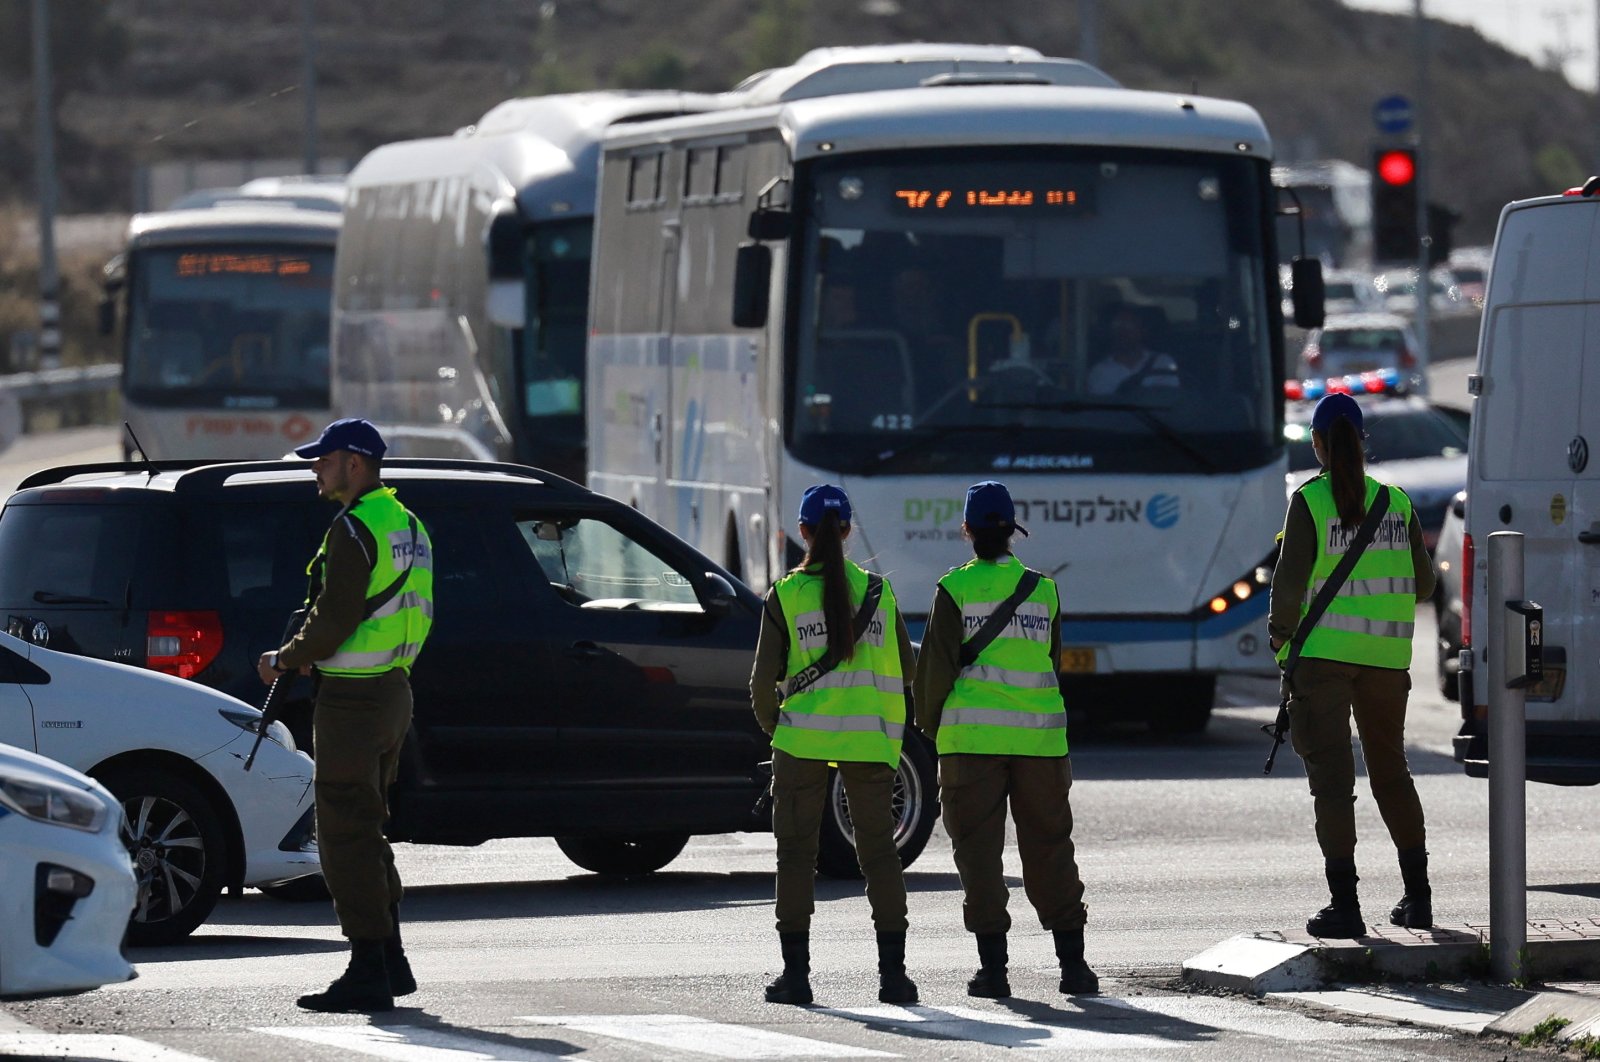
173	753
66	884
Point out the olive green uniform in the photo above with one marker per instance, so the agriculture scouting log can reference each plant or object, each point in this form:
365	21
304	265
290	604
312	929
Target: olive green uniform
1327	693
974	789
358	727
800	793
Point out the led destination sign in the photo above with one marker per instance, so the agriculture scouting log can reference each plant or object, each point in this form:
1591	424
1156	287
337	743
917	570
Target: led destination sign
198	264
1057	197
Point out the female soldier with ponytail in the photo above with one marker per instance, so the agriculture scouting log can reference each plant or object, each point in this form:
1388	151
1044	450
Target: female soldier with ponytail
834	648
1355	660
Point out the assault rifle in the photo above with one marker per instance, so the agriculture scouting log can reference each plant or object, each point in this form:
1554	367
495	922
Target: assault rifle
277	693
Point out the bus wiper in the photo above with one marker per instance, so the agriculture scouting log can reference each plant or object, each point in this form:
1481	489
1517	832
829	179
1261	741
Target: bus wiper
50	597
1144	413
928	435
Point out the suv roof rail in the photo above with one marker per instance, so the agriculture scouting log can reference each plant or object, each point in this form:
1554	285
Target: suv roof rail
61	473
209	475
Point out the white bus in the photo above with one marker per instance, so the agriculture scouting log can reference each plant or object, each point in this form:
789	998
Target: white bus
967	263
225	310
463	281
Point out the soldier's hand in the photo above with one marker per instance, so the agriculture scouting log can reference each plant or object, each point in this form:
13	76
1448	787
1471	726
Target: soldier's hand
265	669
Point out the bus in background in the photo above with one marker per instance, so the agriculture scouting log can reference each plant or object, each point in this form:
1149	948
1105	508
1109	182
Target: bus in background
463	281
963	263
225	310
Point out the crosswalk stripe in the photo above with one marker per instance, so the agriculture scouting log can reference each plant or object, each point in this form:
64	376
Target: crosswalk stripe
682	1032
996	1029
1223	1014
89	1047
411	1043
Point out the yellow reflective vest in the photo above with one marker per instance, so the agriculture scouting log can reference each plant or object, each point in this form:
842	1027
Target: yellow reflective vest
1007	702
1371	619
856	713
394	629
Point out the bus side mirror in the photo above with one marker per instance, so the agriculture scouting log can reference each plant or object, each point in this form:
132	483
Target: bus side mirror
1309	300
507	303
769	223
108	315
752	280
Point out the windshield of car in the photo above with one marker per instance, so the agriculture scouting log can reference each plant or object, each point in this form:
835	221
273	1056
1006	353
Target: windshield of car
1011	310
230	326
1395	435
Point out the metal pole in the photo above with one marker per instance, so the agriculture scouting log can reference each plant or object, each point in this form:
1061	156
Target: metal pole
1089	31
45	181
308	36
1424	283
1508	849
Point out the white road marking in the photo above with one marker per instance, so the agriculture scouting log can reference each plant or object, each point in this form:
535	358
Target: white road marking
84	1047
998	1029
682	1032
410	1043
1213	1013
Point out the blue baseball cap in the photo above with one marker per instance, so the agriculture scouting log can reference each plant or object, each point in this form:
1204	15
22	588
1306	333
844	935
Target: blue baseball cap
819	499
1331	408
989	505
353	434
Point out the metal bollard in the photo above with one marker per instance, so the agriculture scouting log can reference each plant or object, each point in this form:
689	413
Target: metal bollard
1508	850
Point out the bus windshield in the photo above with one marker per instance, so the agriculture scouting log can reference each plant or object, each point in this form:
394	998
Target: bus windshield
229	327
552	355
1048	308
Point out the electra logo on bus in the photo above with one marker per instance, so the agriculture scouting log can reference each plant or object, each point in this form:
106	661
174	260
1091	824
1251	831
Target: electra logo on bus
1160	511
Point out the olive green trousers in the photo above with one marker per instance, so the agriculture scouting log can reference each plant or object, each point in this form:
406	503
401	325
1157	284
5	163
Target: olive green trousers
1327	693
799	800
974	790
359	725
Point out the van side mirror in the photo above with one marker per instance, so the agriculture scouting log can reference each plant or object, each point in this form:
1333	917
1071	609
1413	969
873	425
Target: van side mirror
752	283
506	247
718	596
108	315
1308	294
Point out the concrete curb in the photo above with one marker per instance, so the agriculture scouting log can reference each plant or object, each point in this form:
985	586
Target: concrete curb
1580	1012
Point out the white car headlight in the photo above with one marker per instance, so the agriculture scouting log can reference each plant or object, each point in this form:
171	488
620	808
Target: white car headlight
251	722
57	804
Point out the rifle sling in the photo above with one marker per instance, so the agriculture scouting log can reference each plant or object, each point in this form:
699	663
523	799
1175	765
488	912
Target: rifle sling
829	660
998	619
1335	582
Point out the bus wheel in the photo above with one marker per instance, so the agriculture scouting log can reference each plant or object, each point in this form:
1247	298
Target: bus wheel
915	807
1183	705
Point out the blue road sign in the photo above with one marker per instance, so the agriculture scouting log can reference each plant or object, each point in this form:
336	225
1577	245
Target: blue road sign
1392	114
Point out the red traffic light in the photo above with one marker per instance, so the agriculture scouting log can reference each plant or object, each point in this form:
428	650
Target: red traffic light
1396	167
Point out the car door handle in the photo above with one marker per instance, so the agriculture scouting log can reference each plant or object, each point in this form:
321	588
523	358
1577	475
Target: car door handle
584	651
1589	538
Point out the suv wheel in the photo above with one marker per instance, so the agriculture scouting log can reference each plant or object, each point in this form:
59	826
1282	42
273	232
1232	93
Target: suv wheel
623	855
916	806
179	852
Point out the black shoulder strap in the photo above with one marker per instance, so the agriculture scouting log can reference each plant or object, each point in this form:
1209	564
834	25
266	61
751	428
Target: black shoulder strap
828	661
1330	589
972	647
388	593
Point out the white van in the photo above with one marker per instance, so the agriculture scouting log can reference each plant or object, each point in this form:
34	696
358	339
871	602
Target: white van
1538	408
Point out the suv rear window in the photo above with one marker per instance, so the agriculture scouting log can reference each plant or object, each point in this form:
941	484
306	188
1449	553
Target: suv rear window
68	554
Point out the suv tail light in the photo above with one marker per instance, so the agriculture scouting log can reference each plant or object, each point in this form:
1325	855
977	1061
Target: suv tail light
1466	591
182	643
1408	360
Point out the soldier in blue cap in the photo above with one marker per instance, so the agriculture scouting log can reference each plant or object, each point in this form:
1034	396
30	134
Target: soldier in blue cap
988	696
834	646
370	605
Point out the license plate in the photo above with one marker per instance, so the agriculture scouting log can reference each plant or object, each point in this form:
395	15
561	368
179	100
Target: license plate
1549	687
1077	661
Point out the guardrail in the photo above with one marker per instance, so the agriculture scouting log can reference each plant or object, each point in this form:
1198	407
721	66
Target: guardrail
58	398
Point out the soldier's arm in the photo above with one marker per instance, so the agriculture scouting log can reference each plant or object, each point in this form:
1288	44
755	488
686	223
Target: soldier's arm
342	604
1296	557
939	662
772	650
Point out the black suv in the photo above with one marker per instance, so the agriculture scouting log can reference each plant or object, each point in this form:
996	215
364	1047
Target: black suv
586	678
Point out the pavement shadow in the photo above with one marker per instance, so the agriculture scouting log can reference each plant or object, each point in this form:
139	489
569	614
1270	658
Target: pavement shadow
967	1024
1587	889
1108	1014
424	1033
230	946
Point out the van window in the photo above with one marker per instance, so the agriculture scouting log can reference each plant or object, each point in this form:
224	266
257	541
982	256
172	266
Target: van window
1530	414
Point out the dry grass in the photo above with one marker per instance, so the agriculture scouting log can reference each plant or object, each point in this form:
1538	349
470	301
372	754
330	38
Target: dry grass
80	296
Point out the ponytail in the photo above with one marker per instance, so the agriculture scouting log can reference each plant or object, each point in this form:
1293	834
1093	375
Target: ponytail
1347	468
990	543
827	551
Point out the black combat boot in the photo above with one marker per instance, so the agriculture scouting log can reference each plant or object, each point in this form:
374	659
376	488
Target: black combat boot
1341	919
1415	909
893	984
363	987
1076	977
990	980
794	984
401	981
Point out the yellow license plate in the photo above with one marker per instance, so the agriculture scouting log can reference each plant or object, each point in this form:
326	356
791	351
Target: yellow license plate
1077	661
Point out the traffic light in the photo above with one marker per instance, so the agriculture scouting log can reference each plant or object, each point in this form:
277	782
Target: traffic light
1394	204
